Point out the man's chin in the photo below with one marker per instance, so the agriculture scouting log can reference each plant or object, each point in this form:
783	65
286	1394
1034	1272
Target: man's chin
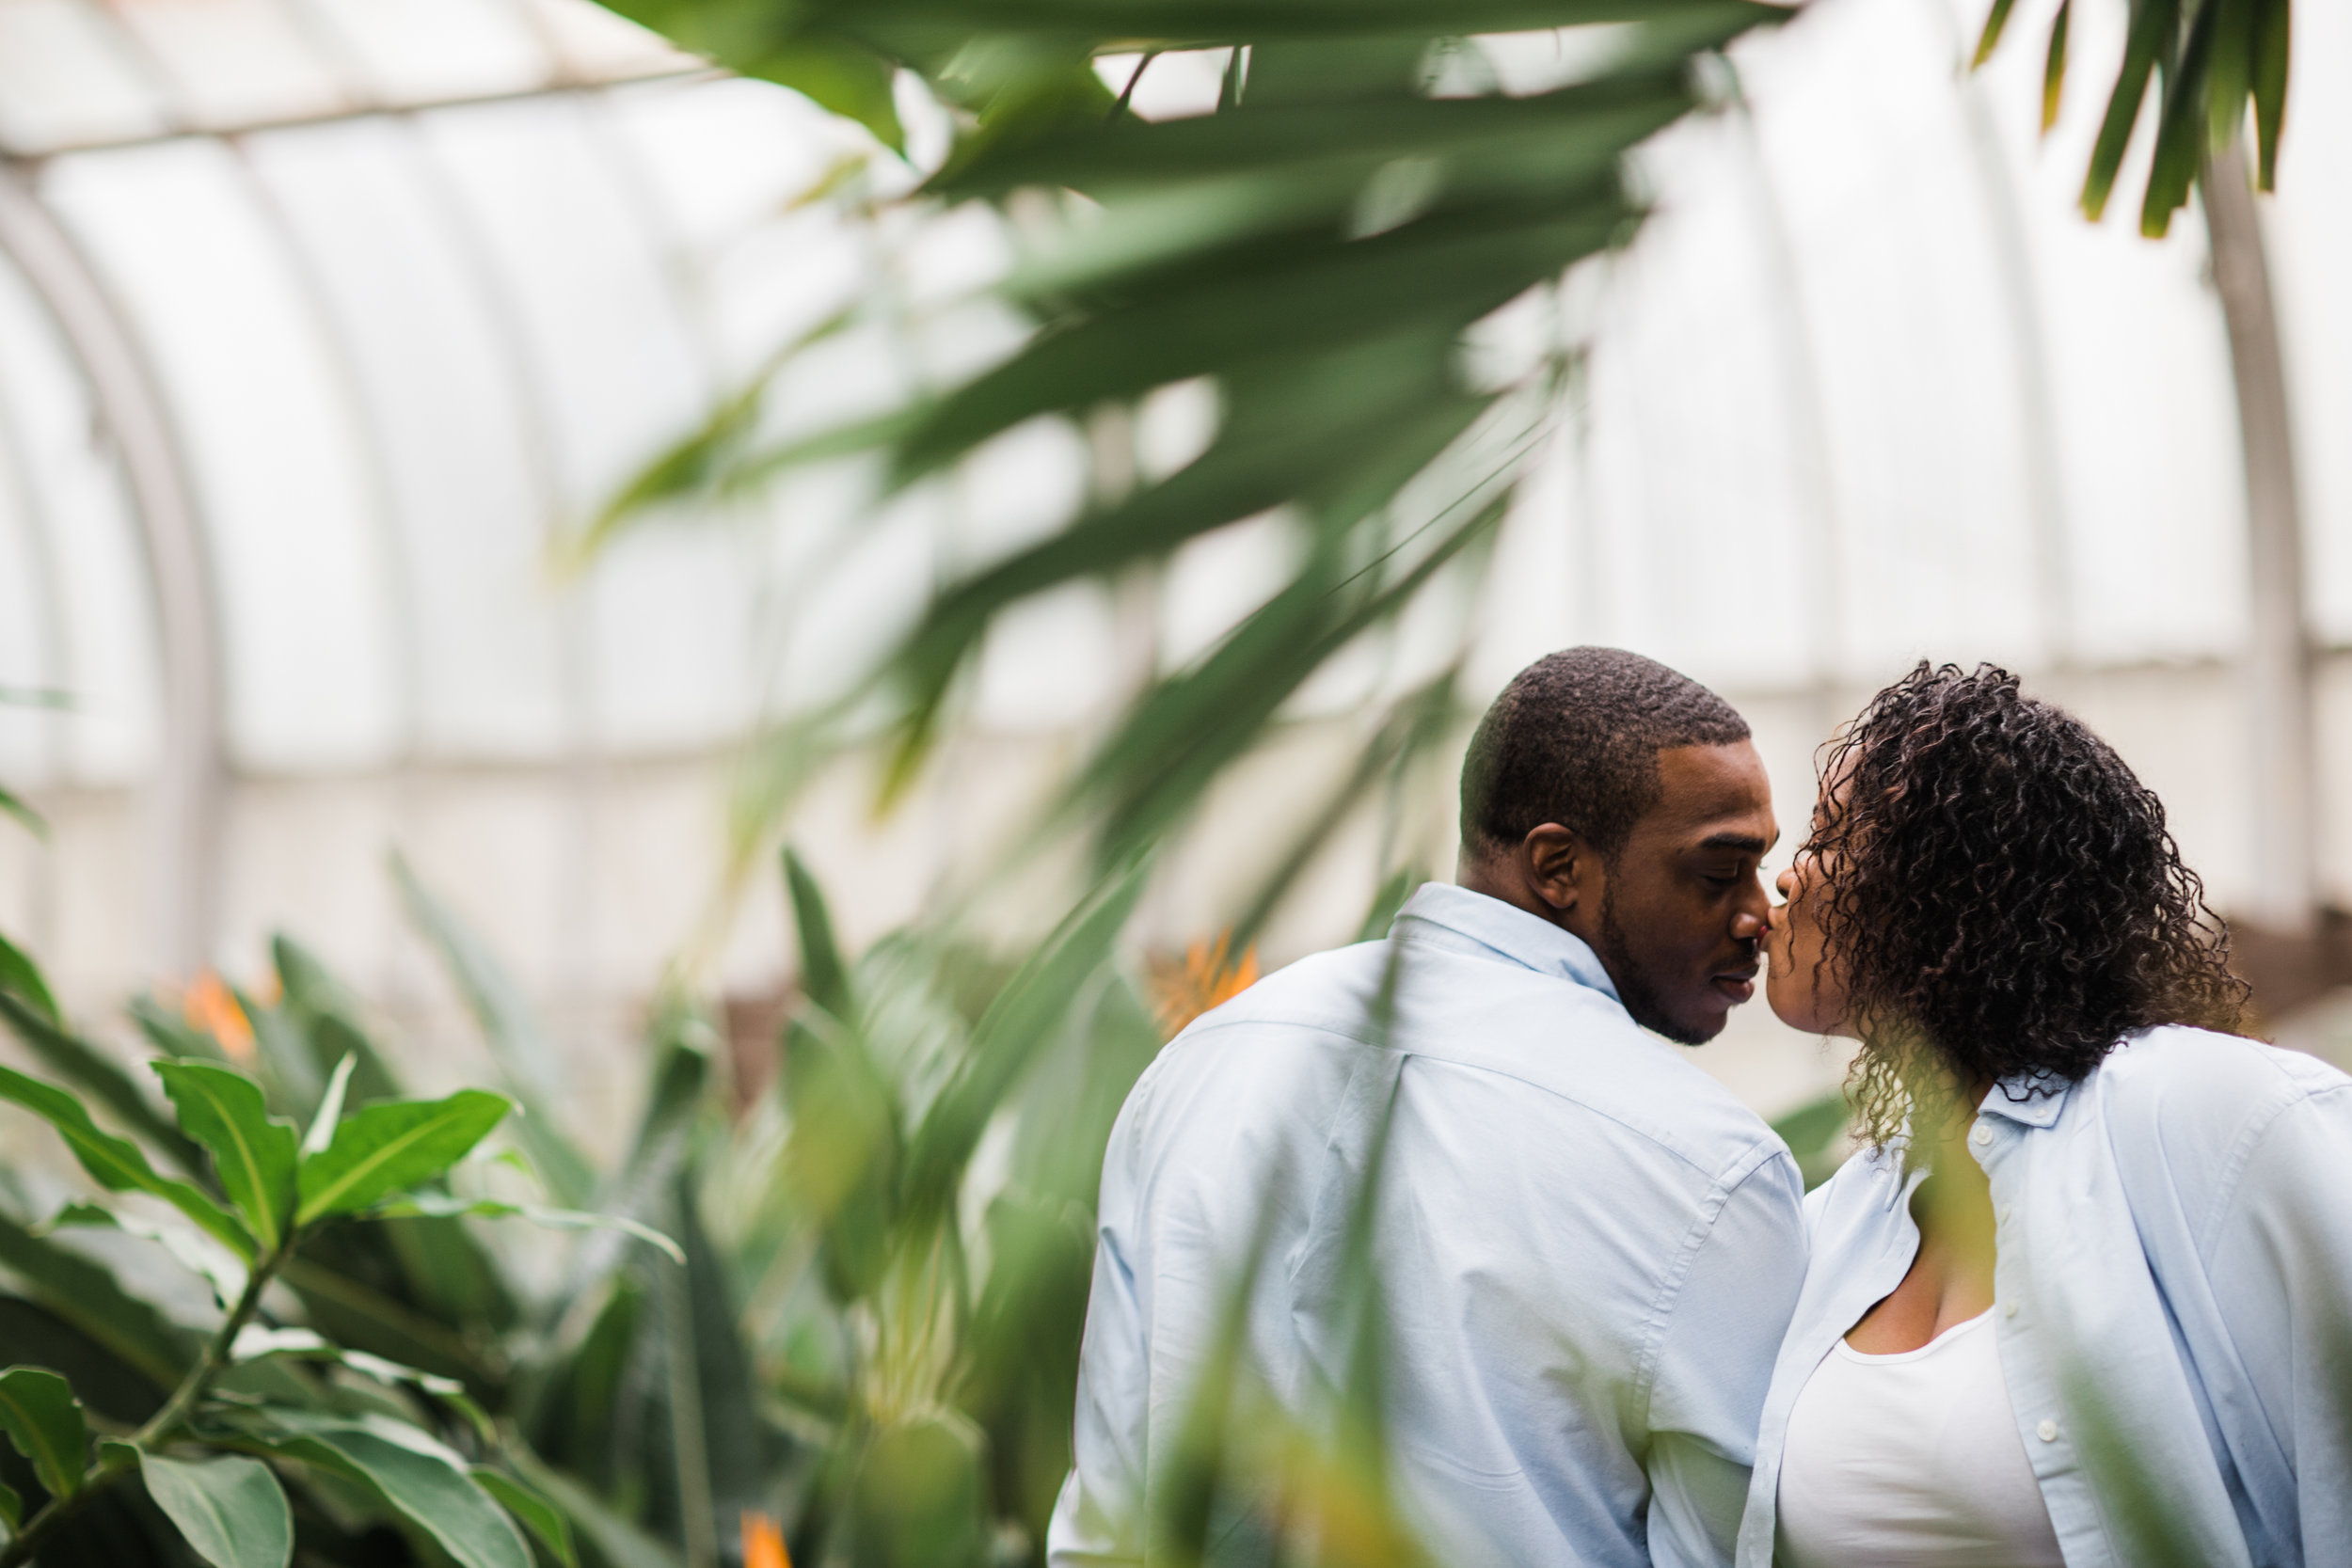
1695	1027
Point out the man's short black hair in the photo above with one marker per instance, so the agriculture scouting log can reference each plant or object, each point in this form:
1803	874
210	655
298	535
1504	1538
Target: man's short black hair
1574	739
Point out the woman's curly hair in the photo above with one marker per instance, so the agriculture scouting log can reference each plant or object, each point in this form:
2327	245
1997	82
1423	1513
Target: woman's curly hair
2002	890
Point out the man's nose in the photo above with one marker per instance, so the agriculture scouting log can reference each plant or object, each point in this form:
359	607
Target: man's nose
1747	926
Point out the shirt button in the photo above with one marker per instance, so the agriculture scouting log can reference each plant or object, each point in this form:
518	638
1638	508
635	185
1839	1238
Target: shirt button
2004	1214
1982	1137
2047	1431
2010	1311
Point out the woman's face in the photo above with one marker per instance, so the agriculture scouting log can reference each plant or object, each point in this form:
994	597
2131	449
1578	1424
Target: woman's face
1806	992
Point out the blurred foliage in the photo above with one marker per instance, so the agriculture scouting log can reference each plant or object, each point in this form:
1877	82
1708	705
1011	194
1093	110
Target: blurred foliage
1318	249
865	1354
2209	59
226	1422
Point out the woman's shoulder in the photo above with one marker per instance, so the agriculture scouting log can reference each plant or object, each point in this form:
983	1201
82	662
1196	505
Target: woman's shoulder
2179	1083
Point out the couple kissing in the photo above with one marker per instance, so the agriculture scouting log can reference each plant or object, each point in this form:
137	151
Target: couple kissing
2083	1296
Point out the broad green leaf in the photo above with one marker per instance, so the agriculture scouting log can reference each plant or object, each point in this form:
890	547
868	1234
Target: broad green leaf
11	1507
85	1295
422	1480
22	977
442	1205
230	1511
252	1151
198	1252
88	1070
44	1421
329	1115
116	1163
391	1147
511	1031
538	1516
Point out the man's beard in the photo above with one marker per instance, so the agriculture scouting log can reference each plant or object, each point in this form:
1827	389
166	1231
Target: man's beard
1635	988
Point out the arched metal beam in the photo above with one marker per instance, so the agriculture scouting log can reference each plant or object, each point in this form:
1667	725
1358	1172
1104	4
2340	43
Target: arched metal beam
184	796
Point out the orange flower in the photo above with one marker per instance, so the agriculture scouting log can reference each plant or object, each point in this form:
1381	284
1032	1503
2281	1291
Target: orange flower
212	1006
763	1543
1186	988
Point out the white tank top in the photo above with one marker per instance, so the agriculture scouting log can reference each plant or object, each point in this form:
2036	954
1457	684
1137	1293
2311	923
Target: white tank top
1911	1460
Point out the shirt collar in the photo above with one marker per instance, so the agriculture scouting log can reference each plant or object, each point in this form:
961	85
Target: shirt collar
2029	1099
1455	916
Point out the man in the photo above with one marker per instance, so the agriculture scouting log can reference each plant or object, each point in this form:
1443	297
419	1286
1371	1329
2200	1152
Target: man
1587	1249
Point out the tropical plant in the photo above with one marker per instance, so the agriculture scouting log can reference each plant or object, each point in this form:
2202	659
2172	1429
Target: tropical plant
868	1353
137	1430
1321	249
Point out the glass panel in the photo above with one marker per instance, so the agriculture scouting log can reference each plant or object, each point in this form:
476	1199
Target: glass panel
64	79
596	298
234	63
271	441
464	465
429	51
726	160
102	644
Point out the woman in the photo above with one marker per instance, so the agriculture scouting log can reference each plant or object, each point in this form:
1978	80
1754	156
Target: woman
2086	1296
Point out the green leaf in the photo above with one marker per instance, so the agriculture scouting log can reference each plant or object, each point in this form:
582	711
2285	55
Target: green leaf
2181	128
2054	67
824	975
22	977
1390	897
2150	35
440	1205
87	1296
511	1030
615	1540
230	1511
1990	38
2270	84
538	1516
11	1507
44	1421
252	1151
25	815
391	1147
116	1163
424	1481
1021	1021
329	1115
93	1071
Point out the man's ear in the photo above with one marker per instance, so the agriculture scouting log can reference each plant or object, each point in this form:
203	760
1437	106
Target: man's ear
1558	867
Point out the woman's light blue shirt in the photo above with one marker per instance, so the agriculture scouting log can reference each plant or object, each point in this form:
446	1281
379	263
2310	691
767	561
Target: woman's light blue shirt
2173	1302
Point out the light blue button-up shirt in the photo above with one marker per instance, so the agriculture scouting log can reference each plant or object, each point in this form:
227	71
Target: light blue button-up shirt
1588	1248
2174	1277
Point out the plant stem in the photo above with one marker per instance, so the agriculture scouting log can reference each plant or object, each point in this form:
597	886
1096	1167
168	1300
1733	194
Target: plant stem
162	1426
